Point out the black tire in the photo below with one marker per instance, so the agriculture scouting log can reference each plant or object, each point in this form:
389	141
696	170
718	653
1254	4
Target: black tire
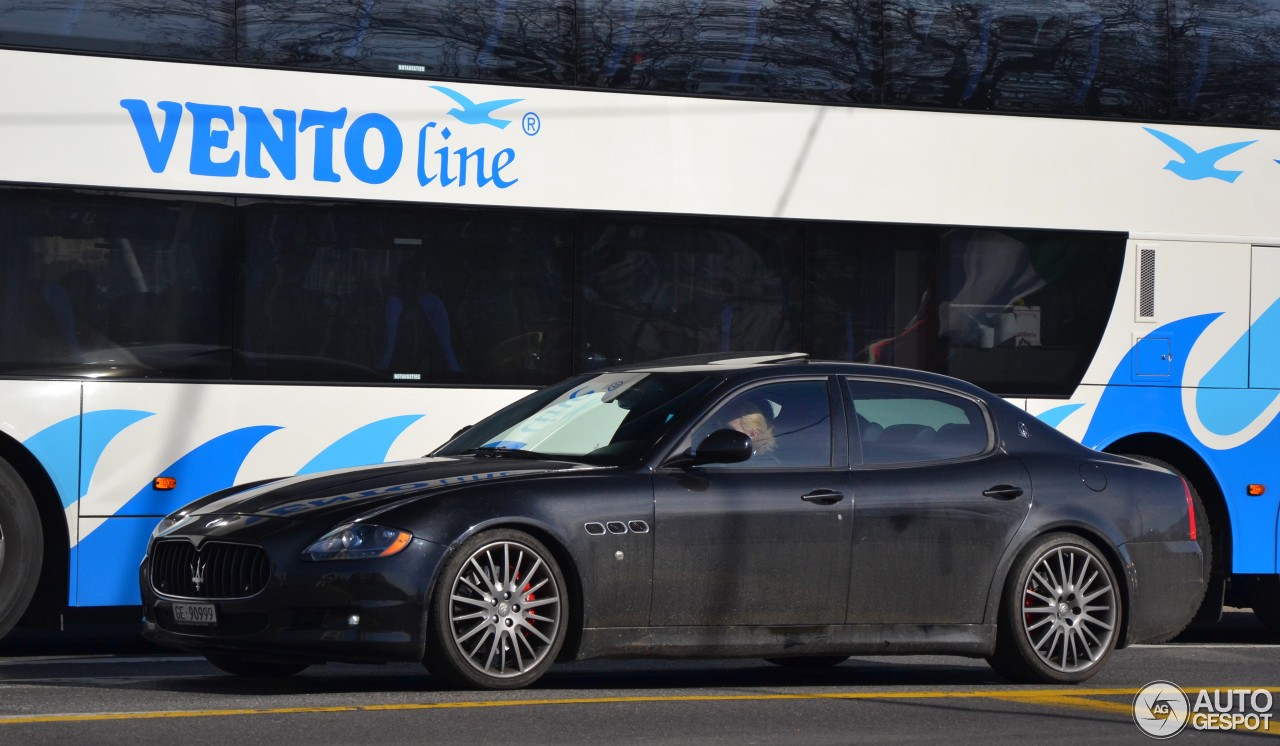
1265	597
1204	537
21	547
238	665
1060	613
809	662
499	613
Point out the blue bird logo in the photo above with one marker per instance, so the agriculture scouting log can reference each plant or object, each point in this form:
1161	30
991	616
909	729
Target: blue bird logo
474	113
1199	164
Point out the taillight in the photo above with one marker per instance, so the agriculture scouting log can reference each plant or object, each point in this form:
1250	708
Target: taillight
1191	508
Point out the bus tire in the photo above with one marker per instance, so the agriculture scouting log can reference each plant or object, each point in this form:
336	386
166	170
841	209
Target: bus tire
1265	596
21	547
1204	534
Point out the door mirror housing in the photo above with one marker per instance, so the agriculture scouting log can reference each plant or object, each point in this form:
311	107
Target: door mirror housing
726	446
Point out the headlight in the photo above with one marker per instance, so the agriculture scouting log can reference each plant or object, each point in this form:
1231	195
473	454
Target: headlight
358	541
169	523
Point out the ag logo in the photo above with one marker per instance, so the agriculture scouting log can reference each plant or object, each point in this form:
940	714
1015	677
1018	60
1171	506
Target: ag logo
1160	709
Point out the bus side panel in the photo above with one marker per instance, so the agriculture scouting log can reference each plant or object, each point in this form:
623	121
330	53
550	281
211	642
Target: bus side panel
1187	376
212	436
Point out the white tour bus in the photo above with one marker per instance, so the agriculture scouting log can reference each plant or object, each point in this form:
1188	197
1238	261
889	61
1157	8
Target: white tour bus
249	240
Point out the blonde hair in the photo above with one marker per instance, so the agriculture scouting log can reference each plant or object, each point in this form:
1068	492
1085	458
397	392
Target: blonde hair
755	422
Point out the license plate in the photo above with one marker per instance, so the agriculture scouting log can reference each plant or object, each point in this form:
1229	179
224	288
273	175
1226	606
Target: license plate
195	614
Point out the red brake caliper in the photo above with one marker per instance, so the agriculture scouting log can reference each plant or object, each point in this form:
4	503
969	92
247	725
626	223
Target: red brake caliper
528	597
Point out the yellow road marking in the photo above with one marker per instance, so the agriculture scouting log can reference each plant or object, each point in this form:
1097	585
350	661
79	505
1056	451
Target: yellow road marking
1069	698
1073	701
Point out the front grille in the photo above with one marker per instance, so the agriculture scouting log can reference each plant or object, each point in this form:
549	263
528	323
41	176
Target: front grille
215	570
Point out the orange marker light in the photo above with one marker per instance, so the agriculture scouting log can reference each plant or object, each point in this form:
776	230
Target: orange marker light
1256	490
399	544
165	483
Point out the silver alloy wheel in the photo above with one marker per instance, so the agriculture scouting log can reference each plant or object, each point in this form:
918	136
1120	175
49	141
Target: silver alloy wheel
504	610
1069	608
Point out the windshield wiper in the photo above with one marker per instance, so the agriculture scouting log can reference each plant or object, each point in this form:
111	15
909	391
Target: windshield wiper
504	452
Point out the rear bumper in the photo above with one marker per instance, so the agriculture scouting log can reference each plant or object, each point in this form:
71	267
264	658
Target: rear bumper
1166	583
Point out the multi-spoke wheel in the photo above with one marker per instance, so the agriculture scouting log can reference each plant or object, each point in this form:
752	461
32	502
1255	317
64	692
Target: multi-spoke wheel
1060	613
499	614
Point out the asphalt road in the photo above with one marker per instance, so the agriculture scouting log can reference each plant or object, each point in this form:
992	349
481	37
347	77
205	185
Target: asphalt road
131	696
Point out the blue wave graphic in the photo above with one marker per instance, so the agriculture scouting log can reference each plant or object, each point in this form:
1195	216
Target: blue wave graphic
1264	360
1055	416
1223	404
365	445
104	566
58	448
210	467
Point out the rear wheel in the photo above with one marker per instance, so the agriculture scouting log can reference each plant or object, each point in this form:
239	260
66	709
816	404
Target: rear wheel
21	547
499	614
1060	613
239	665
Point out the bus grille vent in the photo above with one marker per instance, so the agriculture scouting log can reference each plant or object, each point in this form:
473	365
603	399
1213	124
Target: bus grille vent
1146	284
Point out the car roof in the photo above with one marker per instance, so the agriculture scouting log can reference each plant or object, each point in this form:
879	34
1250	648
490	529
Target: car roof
749	365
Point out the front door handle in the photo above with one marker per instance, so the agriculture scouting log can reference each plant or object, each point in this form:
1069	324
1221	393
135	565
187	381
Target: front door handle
1003	492
823	497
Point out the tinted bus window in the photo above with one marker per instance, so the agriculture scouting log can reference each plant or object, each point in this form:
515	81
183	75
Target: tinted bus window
404	295
185	29
1226	61
114	287
780	49
1089	57
529	40
653	289
1019	312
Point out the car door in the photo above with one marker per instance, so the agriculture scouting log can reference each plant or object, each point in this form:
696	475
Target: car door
765	541
936	502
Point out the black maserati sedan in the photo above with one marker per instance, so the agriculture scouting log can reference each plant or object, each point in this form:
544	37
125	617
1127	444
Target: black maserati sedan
769	506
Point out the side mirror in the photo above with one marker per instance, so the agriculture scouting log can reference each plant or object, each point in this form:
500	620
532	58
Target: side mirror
725	446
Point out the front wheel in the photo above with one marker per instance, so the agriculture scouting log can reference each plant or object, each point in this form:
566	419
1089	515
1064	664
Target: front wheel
238	665
499	614
1059	614
21	547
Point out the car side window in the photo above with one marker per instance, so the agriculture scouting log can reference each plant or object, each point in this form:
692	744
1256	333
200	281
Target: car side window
906	424
789	424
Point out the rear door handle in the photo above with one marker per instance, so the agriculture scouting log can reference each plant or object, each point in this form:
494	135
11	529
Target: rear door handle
1003	492
823	497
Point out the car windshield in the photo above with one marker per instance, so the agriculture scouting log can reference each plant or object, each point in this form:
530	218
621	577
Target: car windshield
607	419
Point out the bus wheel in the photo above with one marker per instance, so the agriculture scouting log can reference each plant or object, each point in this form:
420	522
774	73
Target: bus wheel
1266	602
21	547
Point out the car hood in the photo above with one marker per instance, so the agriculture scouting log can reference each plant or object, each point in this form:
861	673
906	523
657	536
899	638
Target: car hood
371	486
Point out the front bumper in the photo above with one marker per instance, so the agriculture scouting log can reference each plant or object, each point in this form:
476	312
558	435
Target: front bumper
306	610
1167	583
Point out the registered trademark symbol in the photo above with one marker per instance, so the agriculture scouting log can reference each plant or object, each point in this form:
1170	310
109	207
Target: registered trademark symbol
532	124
